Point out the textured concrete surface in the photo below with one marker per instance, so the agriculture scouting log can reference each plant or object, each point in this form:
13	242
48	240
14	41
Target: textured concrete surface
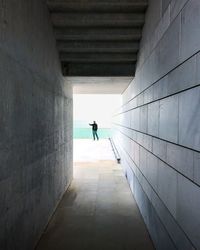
98	211
36	124
157	128
99	85
91	33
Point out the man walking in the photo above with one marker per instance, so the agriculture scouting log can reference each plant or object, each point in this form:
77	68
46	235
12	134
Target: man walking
94	130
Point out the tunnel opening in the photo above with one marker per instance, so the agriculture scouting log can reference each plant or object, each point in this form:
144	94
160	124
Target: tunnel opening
149	51
98	209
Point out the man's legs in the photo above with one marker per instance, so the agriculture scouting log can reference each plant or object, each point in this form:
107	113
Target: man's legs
93	132
96	135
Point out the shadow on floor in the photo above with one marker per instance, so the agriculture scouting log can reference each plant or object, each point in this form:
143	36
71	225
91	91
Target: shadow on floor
98	212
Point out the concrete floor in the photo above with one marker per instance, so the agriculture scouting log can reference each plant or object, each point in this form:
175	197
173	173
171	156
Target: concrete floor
98	211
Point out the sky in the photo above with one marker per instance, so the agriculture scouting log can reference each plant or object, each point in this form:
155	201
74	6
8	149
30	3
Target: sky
99	108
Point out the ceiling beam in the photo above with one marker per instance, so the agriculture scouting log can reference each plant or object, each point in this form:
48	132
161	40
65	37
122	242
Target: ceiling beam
98	47
98	57
97	69
98	37
105	20
91	34
97	5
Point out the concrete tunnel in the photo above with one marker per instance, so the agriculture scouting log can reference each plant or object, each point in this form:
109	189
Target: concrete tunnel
147	51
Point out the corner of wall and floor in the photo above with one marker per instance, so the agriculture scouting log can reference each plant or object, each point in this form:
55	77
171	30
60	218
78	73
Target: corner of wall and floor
36	123
157	128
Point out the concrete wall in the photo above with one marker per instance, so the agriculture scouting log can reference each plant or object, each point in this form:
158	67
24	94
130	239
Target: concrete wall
35	123
158	126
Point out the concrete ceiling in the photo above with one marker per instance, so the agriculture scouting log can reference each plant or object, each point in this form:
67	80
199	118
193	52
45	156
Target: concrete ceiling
98	37
99	85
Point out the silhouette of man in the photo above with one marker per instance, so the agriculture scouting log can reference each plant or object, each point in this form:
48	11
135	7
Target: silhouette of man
94	130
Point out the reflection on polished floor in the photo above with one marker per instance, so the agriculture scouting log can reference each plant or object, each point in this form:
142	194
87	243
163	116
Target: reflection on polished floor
98	211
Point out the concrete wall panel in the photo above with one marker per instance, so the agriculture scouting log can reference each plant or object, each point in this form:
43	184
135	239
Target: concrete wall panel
188	202
160	148
165	4
168	120
143	119
176	6
190	29
36	124
153	118
160	88
167	186
182	77
189	118
181	159
197	167
169	45
165	97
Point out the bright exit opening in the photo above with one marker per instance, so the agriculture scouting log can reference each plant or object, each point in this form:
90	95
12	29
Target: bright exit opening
90	108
